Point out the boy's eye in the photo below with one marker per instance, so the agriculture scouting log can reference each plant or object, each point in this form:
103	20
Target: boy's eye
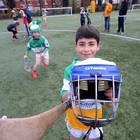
81	44
91	44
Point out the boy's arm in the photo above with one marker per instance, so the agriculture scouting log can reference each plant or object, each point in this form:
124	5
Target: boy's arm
65	97
105	10
108	93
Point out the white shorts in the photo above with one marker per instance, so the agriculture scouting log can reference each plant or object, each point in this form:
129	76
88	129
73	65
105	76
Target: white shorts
42	57
94	133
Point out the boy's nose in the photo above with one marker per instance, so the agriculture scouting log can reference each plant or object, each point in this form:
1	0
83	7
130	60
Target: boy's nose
87	48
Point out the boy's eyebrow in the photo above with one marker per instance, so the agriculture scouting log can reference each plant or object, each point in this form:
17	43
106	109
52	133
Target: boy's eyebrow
92	41
88	41
81	42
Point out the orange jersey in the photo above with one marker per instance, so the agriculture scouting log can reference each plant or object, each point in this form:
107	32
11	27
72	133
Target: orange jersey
92	6
108	10
91	113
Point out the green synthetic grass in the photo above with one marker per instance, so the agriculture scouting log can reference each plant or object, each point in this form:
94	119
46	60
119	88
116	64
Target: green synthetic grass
22	96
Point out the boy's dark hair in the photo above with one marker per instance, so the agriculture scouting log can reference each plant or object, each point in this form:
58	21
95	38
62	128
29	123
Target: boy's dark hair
87	31
110	1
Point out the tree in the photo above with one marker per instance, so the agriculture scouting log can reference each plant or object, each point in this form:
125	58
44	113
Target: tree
10	3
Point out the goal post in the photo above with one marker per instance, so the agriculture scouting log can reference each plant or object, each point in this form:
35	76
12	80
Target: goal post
59	11
135	6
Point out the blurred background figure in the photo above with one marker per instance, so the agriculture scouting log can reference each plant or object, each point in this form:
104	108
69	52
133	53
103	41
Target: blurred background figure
27	12
14	14
82	16
122	16
107	14
92	6
25	21
13	27
44	15
87	16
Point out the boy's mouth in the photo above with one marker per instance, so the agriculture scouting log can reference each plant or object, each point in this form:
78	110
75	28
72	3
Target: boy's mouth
87	55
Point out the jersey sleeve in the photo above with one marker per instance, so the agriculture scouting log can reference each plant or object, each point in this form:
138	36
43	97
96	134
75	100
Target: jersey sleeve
46	45
66	81
67	77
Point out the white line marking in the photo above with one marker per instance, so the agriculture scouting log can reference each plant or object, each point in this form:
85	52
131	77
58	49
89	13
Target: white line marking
121	36
53	30
108	34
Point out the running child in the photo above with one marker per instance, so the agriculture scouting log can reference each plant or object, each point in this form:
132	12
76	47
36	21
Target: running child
40	46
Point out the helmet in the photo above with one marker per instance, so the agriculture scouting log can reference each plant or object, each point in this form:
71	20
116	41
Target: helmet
95	91
37	22
34	28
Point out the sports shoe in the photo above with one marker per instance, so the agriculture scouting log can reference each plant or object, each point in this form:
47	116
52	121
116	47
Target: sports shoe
34	74
122	33
119	33
16	37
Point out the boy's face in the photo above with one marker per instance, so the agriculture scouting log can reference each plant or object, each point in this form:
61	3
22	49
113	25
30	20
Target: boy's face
36	35
87	48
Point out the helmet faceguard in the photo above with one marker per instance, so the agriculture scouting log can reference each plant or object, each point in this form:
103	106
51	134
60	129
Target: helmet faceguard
95	91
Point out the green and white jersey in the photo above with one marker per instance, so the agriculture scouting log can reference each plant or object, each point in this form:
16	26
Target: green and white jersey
38	45
66	79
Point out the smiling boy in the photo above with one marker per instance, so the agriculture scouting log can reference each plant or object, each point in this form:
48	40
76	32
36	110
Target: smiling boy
87	44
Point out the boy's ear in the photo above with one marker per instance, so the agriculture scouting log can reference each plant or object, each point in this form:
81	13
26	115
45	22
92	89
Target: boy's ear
99	46
75	44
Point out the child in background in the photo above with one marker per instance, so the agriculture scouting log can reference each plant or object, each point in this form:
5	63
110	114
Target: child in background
122	16
24	21
27	12
44	15
40	46
14	14
92	6
13	27
107	14
87	16
87	44
82	16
